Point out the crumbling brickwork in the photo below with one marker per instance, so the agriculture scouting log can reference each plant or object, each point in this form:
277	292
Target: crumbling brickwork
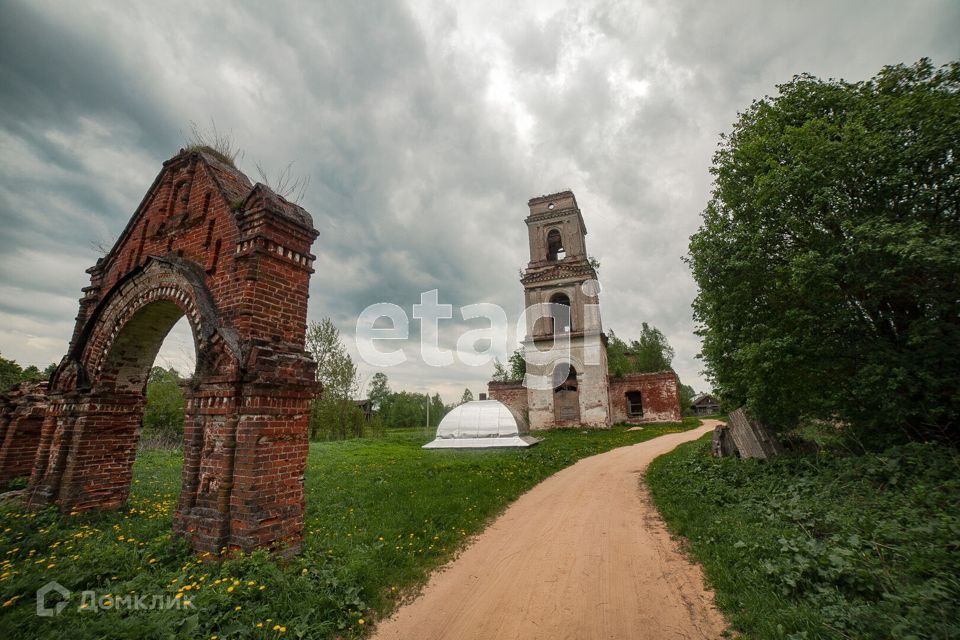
561	295
235	259
512	394
22	410
659	400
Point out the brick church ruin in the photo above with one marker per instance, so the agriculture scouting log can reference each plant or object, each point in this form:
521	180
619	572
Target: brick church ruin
561	279
234	258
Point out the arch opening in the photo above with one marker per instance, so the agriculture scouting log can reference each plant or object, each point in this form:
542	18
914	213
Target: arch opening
555	250
566	397
560	315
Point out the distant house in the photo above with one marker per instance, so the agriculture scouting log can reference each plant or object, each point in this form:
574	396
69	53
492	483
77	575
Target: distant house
704	404
366	406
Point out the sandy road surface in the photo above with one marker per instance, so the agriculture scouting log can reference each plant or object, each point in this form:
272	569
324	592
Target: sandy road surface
581	555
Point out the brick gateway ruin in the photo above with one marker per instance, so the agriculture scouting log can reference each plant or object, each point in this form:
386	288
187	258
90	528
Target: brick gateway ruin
235	259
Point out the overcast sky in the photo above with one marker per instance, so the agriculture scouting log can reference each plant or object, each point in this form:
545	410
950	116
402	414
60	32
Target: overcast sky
424	128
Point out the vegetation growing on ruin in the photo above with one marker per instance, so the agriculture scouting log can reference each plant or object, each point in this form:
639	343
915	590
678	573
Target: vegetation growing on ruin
380	515
828	545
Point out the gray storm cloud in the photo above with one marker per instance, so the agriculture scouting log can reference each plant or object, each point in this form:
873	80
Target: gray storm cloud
423	127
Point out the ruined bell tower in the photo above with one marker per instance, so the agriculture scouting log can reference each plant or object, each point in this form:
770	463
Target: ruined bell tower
565	330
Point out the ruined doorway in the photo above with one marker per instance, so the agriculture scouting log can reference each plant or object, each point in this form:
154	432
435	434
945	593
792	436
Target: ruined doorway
566	400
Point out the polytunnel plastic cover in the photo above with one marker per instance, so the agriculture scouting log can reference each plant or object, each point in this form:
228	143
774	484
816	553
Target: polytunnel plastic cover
481	424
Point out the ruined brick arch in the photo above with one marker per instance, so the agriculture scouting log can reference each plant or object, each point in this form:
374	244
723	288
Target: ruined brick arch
235	259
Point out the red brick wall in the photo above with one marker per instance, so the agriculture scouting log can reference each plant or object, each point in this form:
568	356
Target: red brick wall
512	394
661	402
22	410
235	259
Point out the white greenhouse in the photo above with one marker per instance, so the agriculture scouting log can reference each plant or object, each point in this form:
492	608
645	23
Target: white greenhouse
481	424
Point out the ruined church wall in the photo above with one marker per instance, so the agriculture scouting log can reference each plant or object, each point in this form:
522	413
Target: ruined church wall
512	394
660	397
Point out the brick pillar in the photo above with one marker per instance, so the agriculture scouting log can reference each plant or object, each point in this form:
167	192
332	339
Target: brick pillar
94	440
22	411
209	444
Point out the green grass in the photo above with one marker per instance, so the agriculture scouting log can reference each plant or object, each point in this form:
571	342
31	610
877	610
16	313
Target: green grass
381	513
827	545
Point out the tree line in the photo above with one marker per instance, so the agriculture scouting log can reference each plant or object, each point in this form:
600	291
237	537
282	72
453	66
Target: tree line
12	373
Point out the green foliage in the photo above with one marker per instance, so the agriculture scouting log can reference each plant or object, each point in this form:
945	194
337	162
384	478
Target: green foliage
407	409
518	365
515	370
828	256
163	412
333	416
651	353
686	394
379	389
822	546
380	516
336	419
12	373
466	397
335	368
500	373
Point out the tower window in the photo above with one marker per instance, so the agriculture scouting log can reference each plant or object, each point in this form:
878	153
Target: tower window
555	249
560	314
634	404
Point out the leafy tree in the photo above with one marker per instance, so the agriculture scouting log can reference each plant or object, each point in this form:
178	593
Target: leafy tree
466	397
437	410
405	409
500	373
518	365
379	389
335	367
163	412
829	254
334	415
10	373
336	418
686	394
651	353
31	373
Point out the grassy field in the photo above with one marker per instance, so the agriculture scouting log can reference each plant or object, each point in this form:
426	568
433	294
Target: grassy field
828	545
381	513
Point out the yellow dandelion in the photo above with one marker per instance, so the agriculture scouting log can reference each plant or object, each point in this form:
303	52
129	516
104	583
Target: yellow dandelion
229	589
361	621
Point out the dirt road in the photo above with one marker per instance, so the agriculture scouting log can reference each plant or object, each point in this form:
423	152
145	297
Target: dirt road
582	555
